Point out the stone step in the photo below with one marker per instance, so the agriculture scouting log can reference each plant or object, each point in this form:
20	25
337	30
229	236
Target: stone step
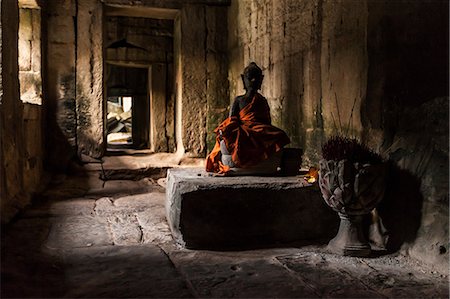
138	166
134	174
210	212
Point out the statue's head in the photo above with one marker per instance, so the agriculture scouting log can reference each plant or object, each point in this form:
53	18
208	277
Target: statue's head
252	77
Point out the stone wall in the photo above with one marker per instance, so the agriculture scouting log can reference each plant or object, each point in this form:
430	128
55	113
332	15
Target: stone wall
217	87
30	55
416	206
407	45
406	117
193	80
34	178
152	38
21	140
75	63
30	81
367	69
61	116
314	61
203	65
12	196
90	101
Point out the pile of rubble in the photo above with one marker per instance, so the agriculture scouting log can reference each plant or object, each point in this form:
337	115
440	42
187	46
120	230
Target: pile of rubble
118	123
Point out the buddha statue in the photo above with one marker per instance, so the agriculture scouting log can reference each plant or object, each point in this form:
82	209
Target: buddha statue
246	142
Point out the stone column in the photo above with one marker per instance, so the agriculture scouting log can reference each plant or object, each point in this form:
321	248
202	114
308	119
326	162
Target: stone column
60	82
193	73
11	132
158	140
89	77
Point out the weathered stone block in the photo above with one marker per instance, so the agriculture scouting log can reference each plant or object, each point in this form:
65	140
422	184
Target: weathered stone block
36	42
24	55
229	212
25	24
30	87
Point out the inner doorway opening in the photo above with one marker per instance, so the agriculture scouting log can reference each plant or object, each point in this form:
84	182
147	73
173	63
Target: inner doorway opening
119	117
128	108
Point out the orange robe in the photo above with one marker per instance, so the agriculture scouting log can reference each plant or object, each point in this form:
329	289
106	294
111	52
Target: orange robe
250	138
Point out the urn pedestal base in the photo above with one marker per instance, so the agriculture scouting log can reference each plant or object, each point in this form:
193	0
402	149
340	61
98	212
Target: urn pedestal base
350	239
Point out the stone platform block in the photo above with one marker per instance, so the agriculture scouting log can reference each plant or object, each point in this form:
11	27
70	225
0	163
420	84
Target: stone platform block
206	212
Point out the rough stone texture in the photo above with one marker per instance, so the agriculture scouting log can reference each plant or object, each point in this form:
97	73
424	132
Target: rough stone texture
313	57
214	212
420	149
193	68
216	76
402	74
30	81
30	71
358	68
60	248
34	178
158	108
30	4
392	56
63	230
21	124
170	110
13	195
406	116
178	85
155	36
375	277
61	117
89	78
202	84
170	4
25	39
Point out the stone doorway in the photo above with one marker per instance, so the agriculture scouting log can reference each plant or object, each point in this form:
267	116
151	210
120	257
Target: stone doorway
139	69
128	108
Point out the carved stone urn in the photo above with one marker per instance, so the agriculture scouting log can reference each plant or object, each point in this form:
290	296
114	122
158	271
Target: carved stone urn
353	190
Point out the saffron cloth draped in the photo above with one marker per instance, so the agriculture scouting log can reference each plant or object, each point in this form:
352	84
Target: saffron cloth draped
249	138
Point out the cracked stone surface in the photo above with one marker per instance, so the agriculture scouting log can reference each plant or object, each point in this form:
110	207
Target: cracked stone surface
85	238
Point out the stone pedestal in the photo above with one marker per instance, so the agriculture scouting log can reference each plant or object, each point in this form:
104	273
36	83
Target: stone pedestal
353	190
350	239
236	212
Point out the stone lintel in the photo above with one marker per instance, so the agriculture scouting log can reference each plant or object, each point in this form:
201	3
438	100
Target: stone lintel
234	212
141	11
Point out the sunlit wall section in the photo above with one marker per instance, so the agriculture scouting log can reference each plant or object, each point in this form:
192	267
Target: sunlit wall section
30	56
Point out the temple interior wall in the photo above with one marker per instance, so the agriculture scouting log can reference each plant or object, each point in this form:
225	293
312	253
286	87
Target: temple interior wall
21	110
361	69
375	70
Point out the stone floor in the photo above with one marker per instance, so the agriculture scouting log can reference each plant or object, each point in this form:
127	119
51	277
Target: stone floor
89	238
